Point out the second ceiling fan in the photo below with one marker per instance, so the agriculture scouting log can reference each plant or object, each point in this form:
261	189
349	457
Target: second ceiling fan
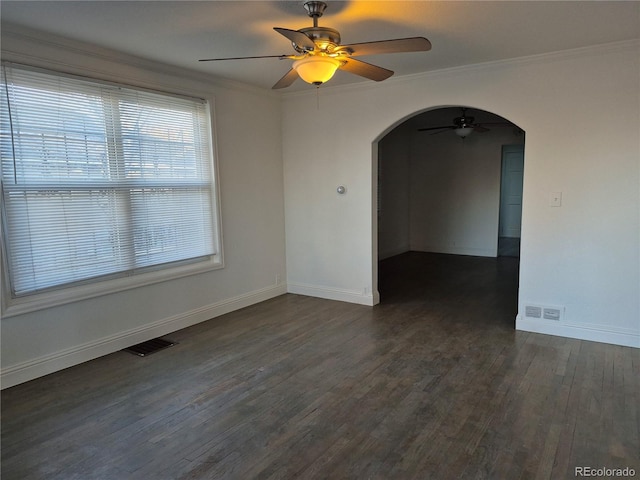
319	52
463	125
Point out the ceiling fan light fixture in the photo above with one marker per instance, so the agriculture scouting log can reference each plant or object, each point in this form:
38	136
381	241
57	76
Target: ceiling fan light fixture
464	131
319	52
316	69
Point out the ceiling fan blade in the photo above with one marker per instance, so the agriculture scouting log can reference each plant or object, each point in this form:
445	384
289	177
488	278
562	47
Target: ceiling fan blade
442	131
399	45
448	127
480	129
495	124
244	58
299	38
366	70
288	78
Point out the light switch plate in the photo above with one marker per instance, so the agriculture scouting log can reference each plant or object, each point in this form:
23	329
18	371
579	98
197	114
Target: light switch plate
555	199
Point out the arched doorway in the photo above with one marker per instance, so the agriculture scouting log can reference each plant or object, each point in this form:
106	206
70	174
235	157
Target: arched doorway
442	193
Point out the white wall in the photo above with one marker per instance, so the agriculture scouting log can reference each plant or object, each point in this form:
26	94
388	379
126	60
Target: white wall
394	156
455	191
583	256
251	185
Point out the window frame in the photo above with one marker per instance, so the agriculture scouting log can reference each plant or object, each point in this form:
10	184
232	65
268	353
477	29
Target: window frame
109	284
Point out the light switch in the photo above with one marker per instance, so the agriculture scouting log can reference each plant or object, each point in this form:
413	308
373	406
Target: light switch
555	199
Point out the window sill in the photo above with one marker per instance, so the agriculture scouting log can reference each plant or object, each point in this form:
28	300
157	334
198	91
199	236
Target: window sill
19	306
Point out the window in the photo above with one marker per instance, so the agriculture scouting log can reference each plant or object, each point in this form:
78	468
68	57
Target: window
101	181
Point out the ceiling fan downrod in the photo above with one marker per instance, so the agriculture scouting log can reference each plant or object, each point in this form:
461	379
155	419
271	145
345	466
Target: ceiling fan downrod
325	38
315	10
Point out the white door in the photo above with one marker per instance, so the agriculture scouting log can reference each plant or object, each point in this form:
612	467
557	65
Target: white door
511	190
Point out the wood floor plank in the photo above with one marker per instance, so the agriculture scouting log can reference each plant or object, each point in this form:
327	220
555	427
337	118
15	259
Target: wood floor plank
432	383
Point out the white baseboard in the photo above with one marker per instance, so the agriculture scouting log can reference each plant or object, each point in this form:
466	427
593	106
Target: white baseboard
329	293
38	367
593	333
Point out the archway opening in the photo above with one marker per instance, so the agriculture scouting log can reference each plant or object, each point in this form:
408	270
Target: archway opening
449	197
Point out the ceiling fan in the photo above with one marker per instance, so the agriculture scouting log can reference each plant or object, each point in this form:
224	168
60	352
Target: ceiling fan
463	126
319	52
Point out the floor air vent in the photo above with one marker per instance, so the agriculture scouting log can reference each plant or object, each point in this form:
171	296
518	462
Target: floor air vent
150	346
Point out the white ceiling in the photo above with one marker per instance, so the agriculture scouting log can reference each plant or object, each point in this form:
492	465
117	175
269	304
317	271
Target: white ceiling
462	32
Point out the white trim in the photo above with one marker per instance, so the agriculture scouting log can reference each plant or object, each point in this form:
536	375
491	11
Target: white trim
593	333
330	293
48	41
38	367
22	33
376	297
31	303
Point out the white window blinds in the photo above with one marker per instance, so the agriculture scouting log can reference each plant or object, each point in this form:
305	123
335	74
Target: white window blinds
100	180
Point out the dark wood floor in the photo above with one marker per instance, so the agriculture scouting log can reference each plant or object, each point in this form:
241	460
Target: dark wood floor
434	383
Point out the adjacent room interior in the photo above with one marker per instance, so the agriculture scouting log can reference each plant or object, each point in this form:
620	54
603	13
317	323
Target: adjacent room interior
450	190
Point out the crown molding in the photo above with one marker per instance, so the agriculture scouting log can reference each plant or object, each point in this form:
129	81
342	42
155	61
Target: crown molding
542	58
15	37
25	34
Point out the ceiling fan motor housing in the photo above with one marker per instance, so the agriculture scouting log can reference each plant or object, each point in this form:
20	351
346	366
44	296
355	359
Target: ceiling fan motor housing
463	122
324	37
